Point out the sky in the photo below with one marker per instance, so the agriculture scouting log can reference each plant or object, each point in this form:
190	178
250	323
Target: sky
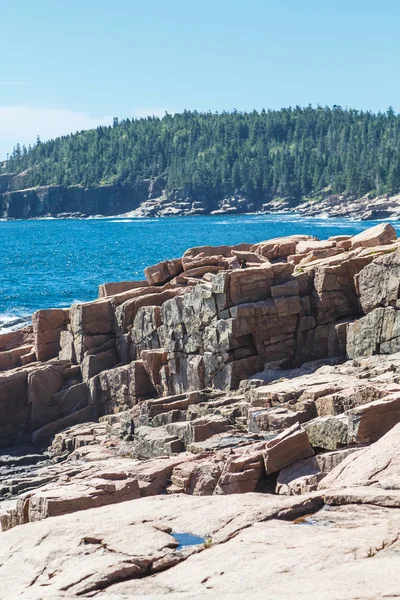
69	65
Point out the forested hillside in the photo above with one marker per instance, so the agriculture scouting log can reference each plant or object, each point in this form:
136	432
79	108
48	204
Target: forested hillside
292	153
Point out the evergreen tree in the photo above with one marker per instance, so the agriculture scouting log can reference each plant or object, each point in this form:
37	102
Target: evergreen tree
292	153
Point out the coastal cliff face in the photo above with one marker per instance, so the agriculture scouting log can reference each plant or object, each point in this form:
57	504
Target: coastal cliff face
66	201
208	320
269	370
147	198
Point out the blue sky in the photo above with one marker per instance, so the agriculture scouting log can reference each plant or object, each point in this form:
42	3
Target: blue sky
76	64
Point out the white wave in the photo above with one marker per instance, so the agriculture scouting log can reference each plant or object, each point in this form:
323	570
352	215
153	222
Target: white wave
140	220
120	220
12	322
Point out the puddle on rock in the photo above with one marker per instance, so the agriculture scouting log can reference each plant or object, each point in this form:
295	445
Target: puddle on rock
187	539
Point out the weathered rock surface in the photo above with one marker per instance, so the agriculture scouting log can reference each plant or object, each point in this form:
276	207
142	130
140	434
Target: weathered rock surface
224	374
376	466
339	206
211	319
375	236
127	550
63	201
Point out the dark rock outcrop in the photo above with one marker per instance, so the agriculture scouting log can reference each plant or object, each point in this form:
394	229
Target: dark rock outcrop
71	201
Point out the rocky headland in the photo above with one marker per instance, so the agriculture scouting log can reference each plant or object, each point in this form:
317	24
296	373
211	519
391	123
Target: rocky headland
366	208
67	201
249	395
149	198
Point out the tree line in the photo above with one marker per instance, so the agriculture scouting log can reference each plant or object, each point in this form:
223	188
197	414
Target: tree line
290	153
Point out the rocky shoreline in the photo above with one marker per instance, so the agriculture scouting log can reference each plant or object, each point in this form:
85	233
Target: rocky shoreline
237	393
148	199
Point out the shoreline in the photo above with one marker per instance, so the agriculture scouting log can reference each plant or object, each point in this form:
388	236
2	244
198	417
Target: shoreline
17	305
240	384
280	272
308	213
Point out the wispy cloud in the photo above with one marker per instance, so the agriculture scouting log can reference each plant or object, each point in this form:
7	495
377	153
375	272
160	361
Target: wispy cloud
22	124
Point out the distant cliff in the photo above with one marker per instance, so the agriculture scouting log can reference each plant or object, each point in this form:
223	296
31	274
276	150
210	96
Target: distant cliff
69	200
293	154
145	198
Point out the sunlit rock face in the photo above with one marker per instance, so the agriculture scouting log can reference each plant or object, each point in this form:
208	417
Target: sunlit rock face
210	319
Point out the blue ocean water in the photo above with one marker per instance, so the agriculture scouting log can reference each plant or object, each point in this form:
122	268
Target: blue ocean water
53	263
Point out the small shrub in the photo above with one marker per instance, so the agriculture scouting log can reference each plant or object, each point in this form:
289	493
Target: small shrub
208	541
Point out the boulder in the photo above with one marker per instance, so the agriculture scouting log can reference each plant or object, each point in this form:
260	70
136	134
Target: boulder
304	476
369	422
306	246
328	433
144	332
47	328
151	442
154	361
279	418
314	255
126	312
14	408
379	282
376	466
93	364
286	448
54	500
197	477
14	339
42	437
155	475
251	284
43	382
279	247
193	276
376	333
163	272
198	430
119	388
209	255
290	288
72	398
110	289
67	348
241	474
381	234
335	294
10	359
89	320
157	406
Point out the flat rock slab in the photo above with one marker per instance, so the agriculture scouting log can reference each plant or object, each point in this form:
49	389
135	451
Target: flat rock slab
346	553
378	466
78	554
126	551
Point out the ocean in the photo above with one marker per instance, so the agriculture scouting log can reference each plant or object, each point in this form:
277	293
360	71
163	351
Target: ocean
53	263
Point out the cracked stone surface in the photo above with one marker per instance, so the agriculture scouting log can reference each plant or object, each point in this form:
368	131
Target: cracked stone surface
94	549
262	547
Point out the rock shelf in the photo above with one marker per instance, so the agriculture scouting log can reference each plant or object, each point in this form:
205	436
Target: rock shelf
269	371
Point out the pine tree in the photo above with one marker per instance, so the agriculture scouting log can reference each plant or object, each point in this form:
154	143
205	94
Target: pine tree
293	152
